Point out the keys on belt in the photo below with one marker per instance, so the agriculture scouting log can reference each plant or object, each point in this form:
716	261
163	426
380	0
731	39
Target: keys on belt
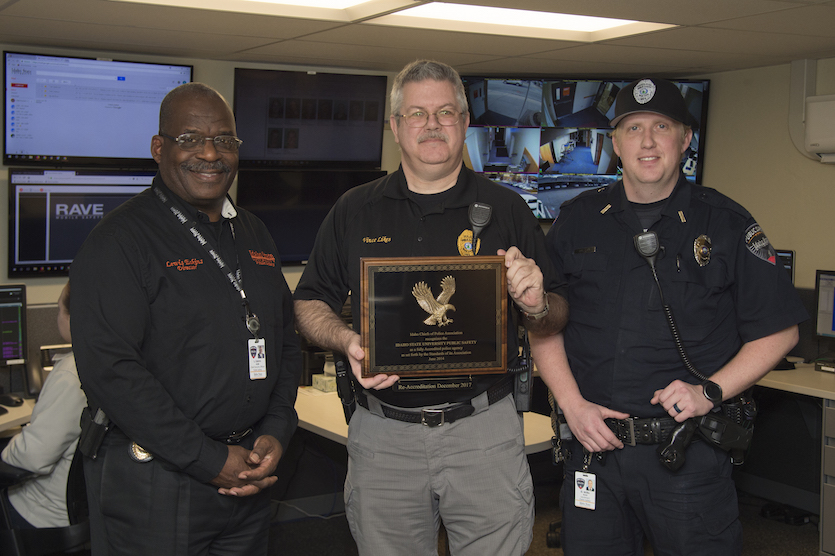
634	431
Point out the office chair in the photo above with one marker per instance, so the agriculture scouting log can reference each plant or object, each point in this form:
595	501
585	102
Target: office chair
48	540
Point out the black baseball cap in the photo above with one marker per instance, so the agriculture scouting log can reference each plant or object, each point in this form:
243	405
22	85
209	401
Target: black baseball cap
652	95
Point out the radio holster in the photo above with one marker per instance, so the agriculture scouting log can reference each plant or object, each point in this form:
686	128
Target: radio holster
523	373
344	386
94	427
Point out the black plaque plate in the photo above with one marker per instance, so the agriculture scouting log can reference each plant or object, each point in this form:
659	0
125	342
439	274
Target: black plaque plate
434	316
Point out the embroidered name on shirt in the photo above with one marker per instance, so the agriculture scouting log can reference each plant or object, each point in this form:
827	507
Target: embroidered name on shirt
380	239
184	264
263	259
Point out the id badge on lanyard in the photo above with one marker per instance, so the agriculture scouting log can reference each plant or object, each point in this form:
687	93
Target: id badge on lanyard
256	347
257	358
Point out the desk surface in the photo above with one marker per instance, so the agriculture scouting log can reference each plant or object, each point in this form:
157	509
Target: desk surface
17	415
321	413
804	379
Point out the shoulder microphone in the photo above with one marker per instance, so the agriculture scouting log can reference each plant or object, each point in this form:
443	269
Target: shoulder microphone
479	216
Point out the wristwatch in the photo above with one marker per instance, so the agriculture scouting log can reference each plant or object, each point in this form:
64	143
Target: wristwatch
713	392
539	315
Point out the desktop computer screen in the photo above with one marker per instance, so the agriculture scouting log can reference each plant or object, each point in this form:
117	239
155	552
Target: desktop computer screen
825	303
13	324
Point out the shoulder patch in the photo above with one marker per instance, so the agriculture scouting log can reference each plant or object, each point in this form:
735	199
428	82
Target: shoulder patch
757	243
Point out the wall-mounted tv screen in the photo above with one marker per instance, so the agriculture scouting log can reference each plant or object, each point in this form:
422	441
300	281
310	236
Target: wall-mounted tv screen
293	203
70	111
292	119
51	212
548	139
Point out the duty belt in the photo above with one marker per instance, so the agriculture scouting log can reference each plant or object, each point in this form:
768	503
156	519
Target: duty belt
634	431
439	416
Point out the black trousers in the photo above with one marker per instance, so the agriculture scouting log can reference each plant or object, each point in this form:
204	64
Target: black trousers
151	508
690	512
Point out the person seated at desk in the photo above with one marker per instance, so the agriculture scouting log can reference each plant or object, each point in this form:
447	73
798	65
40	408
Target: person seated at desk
47	444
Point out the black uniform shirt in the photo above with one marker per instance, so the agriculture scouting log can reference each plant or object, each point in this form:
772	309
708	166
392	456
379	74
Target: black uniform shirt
159	335
618	340
381	219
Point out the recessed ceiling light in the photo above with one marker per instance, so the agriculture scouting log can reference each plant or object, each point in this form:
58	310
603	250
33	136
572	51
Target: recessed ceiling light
432	15
507	16
507	21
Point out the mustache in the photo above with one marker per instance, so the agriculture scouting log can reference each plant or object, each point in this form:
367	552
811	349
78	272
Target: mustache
218	165
433	135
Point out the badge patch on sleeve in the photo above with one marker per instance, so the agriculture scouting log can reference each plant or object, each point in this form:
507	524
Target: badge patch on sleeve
758	244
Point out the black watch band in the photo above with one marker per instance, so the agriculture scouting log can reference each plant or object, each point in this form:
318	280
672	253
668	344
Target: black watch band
713	392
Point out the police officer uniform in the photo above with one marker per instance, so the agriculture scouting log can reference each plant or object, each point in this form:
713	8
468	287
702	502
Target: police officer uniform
720	276
474	469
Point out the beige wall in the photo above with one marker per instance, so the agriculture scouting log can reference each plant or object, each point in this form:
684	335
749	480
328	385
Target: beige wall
749	157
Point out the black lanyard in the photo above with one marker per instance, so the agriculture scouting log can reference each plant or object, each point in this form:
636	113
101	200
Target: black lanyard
235	278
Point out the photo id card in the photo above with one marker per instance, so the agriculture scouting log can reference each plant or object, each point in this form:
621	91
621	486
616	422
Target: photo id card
257	359
585	486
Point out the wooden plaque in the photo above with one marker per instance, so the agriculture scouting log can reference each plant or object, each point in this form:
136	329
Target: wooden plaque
434	316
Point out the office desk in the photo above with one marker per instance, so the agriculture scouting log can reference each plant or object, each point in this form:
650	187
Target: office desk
321	413
17	415
806	380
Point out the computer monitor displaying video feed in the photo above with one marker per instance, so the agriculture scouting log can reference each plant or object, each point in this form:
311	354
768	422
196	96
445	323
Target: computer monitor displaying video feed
549	138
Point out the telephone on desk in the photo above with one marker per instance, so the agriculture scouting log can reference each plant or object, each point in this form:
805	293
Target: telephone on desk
784	365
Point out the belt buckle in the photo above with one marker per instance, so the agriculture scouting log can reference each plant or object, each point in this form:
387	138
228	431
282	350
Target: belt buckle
631	422
432	417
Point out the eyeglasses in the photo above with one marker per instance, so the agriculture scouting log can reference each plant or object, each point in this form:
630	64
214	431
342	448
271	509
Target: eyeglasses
420	118
195	142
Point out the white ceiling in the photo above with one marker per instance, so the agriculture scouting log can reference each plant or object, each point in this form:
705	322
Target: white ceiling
714	36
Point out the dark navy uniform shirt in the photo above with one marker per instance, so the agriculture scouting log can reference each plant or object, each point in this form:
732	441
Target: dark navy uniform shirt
382	219
159	333
618	340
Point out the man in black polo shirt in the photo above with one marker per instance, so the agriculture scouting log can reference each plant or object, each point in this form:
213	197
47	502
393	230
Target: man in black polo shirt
167	342
403	478
619	369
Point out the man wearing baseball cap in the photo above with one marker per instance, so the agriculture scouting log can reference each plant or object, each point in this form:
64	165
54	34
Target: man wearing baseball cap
645	251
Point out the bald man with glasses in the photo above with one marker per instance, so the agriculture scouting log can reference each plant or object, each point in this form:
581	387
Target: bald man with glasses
187	351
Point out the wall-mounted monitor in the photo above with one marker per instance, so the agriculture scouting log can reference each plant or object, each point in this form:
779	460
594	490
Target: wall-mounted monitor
71	111
825	303
297	120
12	324
548	138
293	203
51	212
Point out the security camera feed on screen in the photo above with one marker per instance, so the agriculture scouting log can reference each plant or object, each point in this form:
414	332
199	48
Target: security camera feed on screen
549	139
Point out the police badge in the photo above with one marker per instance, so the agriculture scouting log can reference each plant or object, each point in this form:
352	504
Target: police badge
701	249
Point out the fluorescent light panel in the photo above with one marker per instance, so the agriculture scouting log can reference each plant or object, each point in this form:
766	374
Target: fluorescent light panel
513	22
433	15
